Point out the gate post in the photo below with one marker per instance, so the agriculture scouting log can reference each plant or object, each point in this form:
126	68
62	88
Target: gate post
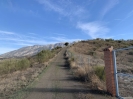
109	71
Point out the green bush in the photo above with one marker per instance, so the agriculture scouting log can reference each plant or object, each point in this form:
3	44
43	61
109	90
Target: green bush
92	53
99	71
22	64
11	65
44	56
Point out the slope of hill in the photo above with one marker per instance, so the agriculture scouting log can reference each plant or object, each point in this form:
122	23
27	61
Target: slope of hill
95	47
30	50
89	56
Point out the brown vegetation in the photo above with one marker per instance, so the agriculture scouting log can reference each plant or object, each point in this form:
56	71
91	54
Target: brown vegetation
93	75
94	50
17	74
95	47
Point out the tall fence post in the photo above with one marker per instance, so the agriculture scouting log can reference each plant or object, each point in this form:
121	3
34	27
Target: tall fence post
109	71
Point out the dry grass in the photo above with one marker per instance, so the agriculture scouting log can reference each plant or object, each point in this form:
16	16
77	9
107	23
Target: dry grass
15	75
99	71
80	72
12	65
94	50
87	73
73	65
95	47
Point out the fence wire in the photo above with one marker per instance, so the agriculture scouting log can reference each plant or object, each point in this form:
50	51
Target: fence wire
124	61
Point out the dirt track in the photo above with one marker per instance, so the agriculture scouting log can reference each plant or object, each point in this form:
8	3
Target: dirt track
57	83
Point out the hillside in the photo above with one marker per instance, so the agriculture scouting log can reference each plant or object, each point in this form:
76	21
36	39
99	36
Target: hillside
94	50
88	56
85	59
95	47
30	50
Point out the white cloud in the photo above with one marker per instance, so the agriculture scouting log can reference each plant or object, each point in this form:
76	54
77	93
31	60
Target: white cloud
59	34
6	32
65	8
64	39
129	14
94	29
52	6
32	39
20	39
109	6
24	40
32	33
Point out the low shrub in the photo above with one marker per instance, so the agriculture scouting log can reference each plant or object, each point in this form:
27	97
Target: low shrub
44	56
11	65
92	53
22	64
99	71
130	53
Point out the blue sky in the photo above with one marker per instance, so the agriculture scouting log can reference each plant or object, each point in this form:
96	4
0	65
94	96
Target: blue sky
33	22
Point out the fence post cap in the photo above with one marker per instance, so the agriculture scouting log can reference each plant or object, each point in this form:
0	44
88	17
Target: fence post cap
109	49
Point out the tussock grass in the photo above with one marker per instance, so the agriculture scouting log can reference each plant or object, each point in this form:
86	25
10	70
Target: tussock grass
73	65
99	71
83	72
93	75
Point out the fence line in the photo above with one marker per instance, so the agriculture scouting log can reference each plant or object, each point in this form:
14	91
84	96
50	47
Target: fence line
123	77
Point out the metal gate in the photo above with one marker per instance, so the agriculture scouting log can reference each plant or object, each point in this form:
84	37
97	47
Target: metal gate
123	68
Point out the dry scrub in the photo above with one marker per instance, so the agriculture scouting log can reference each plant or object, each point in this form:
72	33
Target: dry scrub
11	65
17	74
93	75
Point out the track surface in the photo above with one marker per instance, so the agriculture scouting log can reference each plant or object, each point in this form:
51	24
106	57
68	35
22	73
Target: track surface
57	82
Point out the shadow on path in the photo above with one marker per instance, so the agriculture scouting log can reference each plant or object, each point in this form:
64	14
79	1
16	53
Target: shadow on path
63	90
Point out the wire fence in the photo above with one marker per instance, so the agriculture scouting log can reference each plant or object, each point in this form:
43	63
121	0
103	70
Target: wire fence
124	62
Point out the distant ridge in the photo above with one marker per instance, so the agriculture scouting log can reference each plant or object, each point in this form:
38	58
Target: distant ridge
30	50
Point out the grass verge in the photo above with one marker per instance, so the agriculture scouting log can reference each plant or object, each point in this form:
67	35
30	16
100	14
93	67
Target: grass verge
22	93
